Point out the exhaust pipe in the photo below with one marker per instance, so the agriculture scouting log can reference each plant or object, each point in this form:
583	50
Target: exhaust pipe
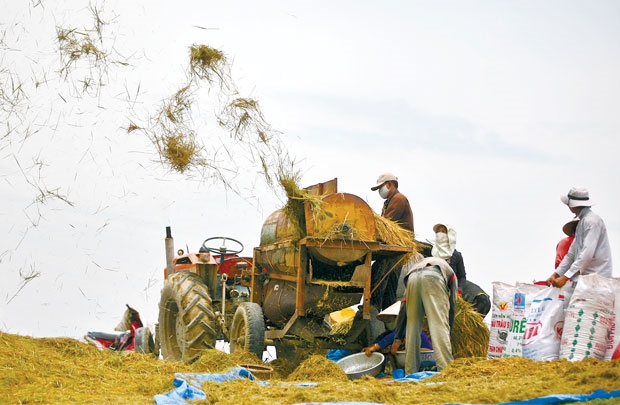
169	252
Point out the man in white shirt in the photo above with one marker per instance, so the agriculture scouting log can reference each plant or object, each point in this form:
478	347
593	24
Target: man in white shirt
590	252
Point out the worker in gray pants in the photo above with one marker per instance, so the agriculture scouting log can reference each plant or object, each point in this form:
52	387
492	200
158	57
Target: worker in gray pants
431	291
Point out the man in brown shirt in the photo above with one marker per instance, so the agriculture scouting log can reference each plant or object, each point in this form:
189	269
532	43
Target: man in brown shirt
396	206
384	286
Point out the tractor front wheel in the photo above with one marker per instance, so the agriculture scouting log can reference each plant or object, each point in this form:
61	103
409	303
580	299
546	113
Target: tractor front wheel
143	341
247	332
186	319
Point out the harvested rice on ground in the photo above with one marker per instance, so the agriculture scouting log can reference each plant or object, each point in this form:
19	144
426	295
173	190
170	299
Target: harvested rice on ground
217	361
66	371
318	368
282	367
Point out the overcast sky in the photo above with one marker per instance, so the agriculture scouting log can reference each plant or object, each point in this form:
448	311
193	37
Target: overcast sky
487	111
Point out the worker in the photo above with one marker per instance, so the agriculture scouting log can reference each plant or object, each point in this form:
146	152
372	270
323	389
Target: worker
563	245
444	247
431	290
386	271
386	342
476	296
396	206
590	251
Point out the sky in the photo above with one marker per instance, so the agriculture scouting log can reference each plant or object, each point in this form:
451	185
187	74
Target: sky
487	111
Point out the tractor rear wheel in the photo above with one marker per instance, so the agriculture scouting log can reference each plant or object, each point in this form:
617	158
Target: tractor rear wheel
247	332
186	319
143	341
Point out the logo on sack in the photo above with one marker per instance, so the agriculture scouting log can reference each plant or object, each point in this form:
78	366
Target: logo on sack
559	327
503	306
531	332
519	301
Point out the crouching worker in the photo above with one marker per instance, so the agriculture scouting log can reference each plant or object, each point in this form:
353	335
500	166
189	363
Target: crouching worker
388	342
431	291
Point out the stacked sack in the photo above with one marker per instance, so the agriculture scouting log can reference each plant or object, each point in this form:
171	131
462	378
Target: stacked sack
548	323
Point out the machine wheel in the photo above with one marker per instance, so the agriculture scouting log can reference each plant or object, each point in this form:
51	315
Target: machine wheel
157	342
143	341
247	332
186	319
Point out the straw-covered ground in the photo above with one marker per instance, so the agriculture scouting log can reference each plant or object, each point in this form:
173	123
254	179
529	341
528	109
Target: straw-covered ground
63	370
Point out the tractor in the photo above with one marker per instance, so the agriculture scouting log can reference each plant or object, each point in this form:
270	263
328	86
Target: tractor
307	266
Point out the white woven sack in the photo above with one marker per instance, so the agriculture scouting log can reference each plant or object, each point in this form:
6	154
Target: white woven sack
501	311
541	339
589	318
522	300
613	350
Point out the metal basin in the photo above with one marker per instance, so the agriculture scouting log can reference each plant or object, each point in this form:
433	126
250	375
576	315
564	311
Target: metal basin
427	358
358	365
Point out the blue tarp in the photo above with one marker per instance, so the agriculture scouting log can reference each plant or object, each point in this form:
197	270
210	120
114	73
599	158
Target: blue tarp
420	375
564	398
188	386
561	398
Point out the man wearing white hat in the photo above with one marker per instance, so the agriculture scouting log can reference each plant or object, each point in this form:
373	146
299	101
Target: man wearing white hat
396	208
590	252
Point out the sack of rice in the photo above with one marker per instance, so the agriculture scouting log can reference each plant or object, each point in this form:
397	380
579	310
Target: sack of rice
501	311
589	318
523	296
543	330
613	350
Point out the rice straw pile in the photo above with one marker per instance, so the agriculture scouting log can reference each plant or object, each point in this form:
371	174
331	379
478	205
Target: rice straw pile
470	335
391	233
66	371
296	200
216	361
206	61
342	327
318	368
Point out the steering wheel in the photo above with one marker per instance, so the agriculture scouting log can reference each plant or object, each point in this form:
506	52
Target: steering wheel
222	250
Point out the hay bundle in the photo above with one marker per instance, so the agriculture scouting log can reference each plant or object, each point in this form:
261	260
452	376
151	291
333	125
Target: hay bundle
180	150
470	335
205	62
172	134
318	368
391	233
216	361
296	200
75	45
341	328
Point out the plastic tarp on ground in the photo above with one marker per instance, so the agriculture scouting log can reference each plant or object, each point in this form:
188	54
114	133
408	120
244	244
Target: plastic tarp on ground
560	398
566	398
188	386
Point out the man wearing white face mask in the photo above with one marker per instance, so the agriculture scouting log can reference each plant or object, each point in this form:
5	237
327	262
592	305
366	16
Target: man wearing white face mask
396	206
385	271
444	247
